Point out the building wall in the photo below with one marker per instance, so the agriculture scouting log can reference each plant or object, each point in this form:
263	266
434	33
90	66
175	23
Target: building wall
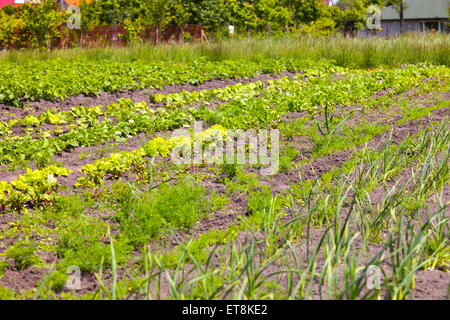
392	28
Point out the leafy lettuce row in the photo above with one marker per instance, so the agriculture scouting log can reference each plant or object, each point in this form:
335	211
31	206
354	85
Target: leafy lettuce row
34	187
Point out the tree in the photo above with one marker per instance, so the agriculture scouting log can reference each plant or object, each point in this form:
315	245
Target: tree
241	14
353	13
108	12
31	25
157	12
305	10
210	14
274	13
400	7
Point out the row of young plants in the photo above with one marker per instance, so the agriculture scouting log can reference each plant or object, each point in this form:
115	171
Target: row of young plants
21	150
265	110
408	250
34	187
117	164
374	169
321	92
82	114
122	111
205	239
216	265
60	78
39	185
91	115
137	160
244	90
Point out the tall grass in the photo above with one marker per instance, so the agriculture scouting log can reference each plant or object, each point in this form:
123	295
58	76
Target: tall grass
355	52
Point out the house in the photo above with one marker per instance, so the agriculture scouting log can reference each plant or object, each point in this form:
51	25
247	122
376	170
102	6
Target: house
419	16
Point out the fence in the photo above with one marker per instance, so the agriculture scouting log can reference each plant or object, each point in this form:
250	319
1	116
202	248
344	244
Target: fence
115	35
111	35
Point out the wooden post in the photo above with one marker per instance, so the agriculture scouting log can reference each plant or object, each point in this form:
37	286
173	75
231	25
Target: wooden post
182	34
248	32
60	42
268	29
202	35
157	33
116	36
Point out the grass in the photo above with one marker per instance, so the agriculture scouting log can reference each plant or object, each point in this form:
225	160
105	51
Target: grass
355	53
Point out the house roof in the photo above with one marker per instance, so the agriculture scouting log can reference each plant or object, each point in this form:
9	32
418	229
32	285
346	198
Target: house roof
418	9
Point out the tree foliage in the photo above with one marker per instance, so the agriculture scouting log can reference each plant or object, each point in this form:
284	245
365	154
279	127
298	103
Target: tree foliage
35	24
30	25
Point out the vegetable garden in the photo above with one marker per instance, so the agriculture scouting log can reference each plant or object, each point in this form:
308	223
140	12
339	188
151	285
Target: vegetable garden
87	181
